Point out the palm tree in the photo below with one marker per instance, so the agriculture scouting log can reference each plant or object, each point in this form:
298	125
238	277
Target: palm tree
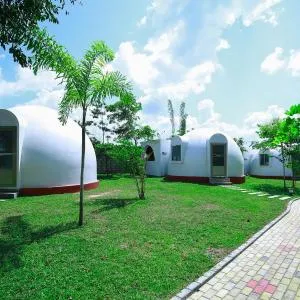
171	115
86	84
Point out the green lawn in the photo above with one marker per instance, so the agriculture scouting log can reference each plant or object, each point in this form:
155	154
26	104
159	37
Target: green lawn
129	248
273	186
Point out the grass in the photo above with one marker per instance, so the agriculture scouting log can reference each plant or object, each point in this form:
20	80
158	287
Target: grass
128	248
272	186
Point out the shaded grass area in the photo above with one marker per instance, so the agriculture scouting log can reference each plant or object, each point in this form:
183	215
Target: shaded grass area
272	186
128	248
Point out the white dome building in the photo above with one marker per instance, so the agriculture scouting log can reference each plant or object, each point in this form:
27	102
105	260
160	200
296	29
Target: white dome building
201	155
267	164
204	154
38	155
159	155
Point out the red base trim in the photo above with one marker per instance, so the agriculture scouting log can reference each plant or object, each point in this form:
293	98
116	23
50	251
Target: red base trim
238	180
57	189
271	177
198	179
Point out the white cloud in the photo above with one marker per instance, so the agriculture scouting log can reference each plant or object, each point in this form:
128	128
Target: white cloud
138	66
27	81
207	112
294	63
273	62
223	44
2	56
277	61
155	71
166	40
262	12
260	117
159	10
191	81
49	98
142	21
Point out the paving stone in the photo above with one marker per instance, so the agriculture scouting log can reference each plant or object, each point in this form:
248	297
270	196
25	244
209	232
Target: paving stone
285	198
221	293
268	269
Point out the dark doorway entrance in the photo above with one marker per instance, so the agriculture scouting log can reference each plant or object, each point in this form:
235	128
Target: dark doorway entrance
218	160
8	157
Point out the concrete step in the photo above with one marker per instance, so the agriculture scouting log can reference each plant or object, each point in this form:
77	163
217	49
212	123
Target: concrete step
219	181
8	195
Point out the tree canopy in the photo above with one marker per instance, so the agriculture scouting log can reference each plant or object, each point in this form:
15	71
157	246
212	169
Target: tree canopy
283	134
19	23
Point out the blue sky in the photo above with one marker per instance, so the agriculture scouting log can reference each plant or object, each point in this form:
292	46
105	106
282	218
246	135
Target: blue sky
236	63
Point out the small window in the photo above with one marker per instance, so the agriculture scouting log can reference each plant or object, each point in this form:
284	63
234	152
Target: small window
264	159
176	153
150	154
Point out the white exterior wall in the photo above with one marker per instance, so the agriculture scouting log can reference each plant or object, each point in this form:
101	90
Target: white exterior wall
196	154
274	168
161	149
49	153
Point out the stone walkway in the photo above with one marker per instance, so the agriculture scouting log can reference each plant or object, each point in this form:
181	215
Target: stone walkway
268	269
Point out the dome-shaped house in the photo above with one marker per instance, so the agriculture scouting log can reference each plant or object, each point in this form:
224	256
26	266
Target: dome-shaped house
267	164
158	152
204	155
38	155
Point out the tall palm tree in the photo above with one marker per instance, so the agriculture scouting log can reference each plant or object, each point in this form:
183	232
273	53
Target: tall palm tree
87	83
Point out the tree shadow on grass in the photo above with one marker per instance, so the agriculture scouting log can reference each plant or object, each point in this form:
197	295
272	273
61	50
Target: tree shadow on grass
166	180
115	176
17	233
268	188
112	203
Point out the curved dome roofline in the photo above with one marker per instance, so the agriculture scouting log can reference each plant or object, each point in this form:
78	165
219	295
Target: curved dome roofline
204	132
49	153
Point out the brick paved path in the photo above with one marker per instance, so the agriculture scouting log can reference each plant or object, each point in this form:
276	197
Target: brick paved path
268	269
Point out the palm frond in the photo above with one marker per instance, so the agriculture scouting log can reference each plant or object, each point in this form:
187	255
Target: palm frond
94	60
48	54
112	84
70	101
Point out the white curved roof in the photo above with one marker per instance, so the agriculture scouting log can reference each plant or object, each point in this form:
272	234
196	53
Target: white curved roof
275	167
196	158
50	153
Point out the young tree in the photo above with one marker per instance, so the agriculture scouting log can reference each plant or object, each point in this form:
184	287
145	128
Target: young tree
268	134
284	135
171	115
241	143
289	136
19	21
133	159
183	117
86	84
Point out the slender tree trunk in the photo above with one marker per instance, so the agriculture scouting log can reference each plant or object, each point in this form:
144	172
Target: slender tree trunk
293	173
80	222
283	163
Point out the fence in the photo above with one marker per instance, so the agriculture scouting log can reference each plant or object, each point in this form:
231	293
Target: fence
106	165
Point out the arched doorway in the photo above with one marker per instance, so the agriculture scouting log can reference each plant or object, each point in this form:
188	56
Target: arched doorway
218	152
150	153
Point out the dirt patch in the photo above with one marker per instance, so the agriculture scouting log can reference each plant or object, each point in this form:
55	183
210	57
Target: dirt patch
104	194
210	206
217	254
